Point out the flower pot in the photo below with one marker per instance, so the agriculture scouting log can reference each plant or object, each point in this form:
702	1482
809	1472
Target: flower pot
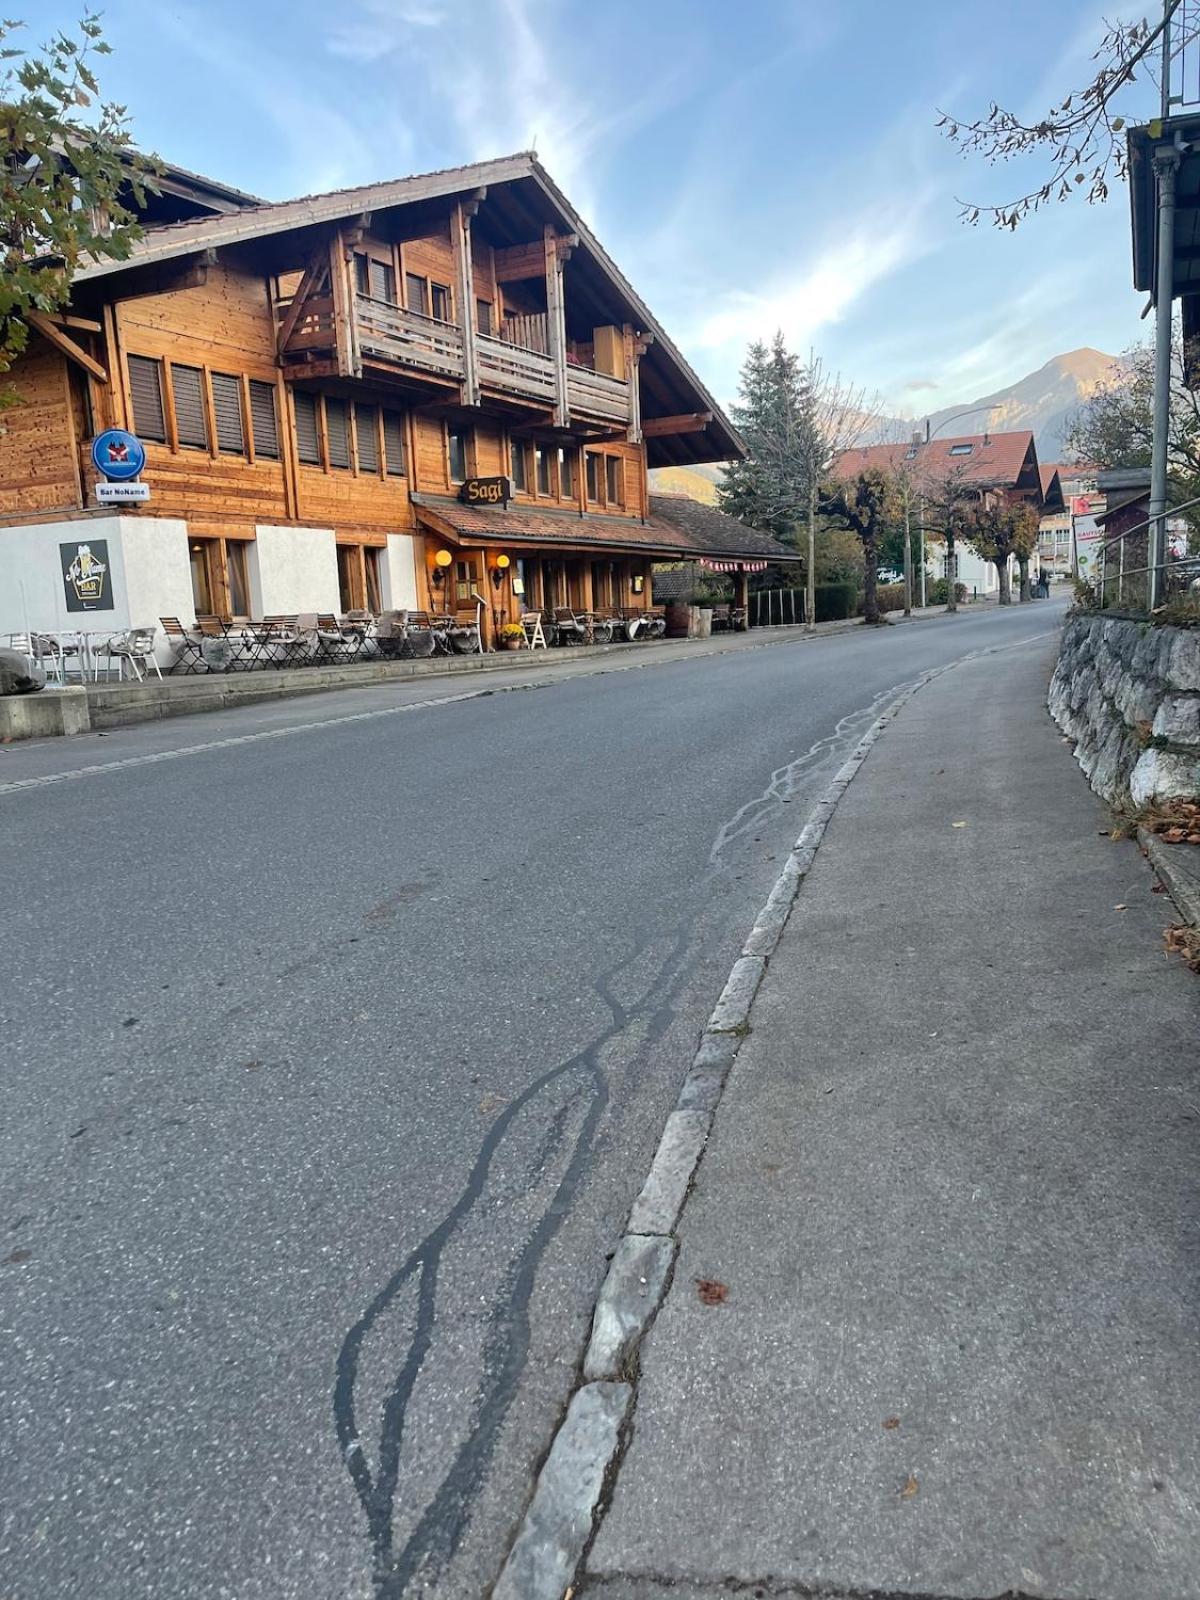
512	644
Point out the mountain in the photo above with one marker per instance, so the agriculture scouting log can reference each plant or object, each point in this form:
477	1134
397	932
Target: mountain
1043	401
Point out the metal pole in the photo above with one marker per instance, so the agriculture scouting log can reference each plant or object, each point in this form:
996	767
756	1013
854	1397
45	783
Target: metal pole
907	559
921	541
1166	163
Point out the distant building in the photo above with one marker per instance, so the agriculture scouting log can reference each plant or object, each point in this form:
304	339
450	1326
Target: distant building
1070	520
988	465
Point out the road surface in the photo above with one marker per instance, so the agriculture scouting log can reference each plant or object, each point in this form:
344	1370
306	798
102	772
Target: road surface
338	1039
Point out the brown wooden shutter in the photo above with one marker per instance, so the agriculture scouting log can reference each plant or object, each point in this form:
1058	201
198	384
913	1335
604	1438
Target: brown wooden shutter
337	431
187	387
145	388
366	424
382	281
308	442
393	443
263	422
227	409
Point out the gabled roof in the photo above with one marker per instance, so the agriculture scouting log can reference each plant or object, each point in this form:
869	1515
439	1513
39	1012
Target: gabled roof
712	533
1052	495
669	386
979	460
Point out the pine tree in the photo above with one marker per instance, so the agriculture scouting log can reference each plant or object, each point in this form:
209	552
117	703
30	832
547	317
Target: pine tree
776	415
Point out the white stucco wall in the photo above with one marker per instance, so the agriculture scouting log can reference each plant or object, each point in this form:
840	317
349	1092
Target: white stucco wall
158	578
399	574
293	570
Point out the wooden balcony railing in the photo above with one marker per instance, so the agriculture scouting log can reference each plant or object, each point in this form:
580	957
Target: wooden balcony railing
388	333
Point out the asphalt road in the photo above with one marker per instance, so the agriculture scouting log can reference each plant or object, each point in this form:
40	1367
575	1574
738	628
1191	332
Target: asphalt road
337	1040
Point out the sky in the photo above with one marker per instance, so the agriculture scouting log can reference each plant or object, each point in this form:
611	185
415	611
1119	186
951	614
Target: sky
750	164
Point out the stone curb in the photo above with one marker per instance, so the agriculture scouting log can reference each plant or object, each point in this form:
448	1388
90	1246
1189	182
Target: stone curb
559	1519
1182	886
640	1272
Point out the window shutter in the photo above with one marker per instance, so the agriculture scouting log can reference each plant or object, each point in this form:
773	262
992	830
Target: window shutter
337	430
361	283
308	443
263	423
187	388
382	281
393	443
366	424
145	387
227	409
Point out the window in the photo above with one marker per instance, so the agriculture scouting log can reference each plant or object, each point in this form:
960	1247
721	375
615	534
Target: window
191	426
371	578
440	301
519	472
347	565
227	412
483	316
362	278
264	425
366	431
308	440
566	474
614	480
235	576
463	581
145	388
202	588
593	475
416	292
393	443
961	449
457	451
541	457
337	433
382	281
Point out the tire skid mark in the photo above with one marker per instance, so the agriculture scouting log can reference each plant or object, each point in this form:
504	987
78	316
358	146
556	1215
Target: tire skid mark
439	1529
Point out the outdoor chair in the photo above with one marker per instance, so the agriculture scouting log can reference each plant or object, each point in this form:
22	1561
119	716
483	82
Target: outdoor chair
722	619
391	635
600	628
60	648
464	633
535	636
185	643
135	646
568	627
424	635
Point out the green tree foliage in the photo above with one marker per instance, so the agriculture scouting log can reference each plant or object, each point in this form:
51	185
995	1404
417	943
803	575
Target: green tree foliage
68	172
776	415
997	532
865	504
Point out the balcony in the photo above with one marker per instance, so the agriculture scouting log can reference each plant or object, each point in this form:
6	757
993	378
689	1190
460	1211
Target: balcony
387	335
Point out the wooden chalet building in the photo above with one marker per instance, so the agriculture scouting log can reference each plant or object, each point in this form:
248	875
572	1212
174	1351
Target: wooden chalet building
318	383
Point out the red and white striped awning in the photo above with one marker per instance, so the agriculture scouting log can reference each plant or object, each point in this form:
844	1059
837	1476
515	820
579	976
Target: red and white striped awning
733	566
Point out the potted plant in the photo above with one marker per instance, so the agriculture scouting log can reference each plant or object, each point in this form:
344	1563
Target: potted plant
512	635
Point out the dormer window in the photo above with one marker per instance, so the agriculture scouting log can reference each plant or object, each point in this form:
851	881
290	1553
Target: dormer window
961	449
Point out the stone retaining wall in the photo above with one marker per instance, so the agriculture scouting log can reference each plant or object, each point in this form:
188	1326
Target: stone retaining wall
1129	695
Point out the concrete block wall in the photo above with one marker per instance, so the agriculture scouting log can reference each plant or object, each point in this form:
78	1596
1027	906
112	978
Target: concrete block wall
1129	695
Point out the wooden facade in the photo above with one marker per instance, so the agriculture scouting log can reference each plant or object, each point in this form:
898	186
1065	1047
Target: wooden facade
344	364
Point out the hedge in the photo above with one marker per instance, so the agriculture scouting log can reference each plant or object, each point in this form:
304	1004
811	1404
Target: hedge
835	601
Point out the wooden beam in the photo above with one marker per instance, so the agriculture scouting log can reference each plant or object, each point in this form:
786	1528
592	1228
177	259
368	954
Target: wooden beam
690	422
315	270
85	324
556	327
460	238
521	261
69	348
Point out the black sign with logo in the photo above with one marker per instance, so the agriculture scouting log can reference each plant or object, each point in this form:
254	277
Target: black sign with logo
485	492
87	578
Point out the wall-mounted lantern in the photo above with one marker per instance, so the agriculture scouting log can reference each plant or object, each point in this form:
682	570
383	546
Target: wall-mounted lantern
441	561
499	568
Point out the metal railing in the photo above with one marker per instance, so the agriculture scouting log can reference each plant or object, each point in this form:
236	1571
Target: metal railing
1126	579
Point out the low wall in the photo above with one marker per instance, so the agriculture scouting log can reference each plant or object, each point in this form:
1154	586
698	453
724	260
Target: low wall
1129	695
46	714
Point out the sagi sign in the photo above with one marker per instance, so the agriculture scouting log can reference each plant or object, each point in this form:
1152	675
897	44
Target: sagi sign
86	576
485	492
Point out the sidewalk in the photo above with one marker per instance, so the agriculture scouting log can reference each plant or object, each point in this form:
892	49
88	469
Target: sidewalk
952	1194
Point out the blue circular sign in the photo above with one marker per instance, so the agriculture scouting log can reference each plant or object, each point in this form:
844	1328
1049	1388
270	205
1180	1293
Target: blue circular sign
120	456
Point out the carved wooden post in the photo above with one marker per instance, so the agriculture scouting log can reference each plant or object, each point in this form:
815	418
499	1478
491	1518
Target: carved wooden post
636	345
557	252
460	229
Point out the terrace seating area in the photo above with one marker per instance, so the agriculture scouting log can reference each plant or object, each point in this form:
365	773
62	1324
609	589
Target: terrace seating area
212	645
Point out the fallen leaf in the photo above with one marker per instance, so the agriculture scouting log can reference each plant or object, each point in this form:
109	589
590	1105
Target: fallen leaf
891	1422
958	824
911	1487
711	1292
1121	908
1174	835
15	1257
